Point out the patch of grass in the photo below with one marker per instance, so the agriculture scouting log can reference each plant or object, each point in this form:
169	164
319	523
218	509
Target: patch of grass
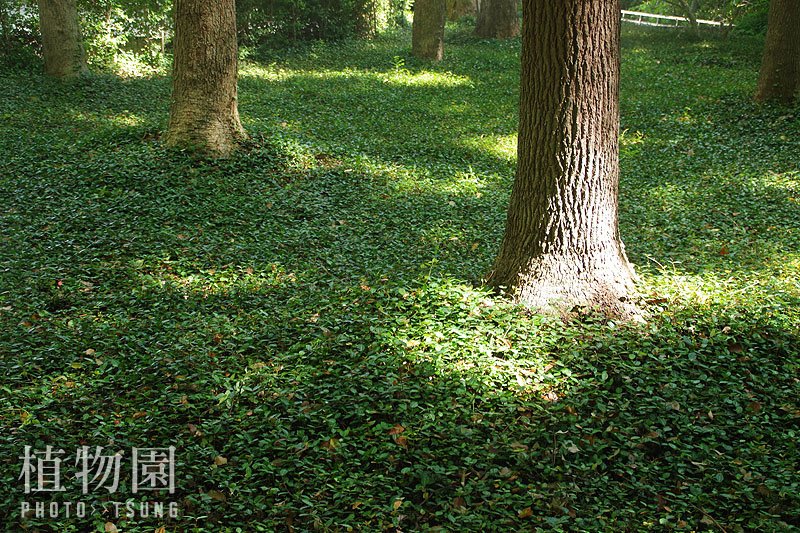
308	311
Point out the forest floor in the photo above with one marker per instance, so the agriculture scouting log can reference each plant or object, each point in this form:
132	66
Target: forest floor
304	322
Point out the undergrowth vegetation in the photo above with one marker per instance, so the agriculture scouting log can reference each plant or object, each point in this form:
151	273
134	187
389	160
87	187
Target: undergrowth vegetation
304	321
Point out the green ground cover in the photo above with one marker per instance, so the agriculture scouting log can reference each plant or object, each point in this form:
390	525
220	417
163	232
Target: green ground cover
304	322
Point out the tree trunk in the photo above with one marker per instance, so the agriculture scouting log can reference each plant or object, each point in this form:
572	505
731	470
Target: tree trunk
204	113
779	79
694	26
427	29
691	13
497	19
689	9
4	22
457	9
62	45
562	246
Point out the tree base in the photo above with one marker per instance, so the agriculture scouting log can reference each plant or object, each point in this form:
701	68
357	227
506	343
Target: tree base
558	284
215	140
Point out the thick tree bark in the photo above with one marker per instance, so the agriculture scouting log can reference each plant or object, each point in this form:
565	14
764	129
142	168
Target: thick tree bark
562	246
456	9
497	19
779	79
204	113
62	45
427	31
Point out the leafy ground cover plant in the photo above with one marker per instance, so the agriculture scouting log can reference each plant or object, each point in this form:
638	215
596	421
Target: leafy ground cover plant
303	321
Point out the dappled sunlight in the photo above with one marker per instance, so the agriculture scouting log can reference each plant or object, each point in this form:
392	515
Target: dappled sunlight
174	276
426	79
465	347
399	76
629	139
503	147
124	119
722	288
785	181
127	120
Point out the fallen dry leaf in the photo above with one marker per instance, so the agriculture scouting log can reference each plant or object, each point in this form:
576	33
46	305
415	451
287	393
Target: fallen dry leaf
396	430
459	503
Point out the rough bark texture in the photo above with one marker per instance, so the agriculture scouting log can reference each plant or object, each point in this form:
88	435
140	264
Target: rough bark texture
497	19
779	79
204	113
427	33
62	46
456	9
562	246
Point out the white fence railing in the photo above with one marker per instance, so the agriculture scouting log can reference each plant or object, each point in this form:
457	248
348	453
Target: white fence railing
663	21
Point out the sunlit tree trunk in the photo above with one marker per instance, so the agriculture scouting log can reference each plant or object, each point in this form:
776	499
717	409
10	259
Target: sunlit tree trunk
62	45
204	112
562	246
779	79
427	32
497	19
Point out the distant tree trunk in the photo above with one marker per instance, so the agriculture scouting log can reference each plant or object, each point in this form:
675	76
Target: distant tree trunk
62	45
497	19
562	246
427	29
779	79
694	26
689	8
457	9
204	113
4	22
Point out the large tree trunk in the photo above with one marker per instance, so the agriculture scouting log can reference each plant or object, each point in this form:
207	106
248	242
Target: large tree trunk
497	19
62	45
427	31
204	113
779	79
562	246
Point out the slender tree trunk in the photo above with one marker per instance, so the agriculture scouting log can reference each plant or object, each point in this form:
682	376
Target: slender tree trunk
694	26
427	29
62	45
204	113
691	13
4	22
497	19
562	246
689	8
779	79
